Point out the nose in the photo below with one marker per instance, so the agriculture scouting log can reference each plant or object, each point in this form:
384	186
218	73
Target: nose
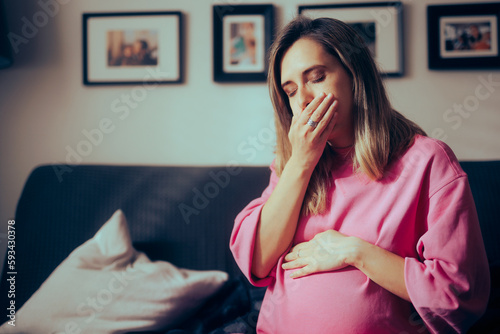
305	96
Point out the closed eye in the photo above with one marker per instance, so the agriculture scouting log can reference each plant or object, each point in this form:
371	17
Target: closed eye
316	75
292	93
318	79
289	89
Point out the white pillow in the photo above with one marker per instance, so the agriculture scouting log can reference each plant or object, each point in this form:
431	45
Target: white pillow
106	286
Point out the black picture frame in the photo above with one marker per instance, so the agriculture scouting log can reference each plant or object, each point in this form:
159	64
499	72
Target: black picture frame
110	55
380	24
451	40
6	59
230	64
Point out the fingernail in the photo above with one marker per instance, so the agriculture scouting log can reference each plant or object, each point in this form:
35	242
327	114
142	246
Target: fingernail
329	95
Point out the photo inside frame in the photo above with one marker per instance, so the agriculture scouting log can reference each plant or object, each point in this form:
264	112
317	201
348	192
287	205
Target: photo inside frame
243	43
367	31
468	36
132	47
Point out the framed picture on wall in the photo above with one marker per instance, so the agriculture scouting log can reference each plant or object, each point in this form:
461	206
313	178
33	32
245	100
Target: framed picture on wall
380	24
242	37
463	36
132	48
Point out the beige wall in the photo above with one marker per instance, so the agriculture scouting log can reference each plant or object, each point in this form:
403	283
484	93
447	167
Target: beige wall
44	107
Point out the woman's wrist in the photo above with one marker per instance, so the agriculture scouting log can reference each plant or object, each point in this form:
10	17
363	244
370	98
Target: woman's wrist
381	266
357	250
300	166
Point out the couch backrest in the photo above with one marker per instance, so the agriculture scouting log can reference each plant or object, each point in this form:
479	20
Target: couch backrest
179	214
484	180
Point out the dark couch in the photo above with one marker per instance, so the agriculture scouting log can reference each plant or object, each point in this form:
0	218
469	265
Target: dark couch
183	215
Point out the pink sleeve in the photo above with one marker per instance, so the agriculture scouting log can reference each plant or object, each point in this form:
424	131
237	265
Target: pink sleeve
449	285
244	233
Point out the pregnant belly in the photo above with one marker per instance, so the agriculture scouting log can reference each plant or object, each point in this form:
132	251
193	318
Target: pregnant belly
343	301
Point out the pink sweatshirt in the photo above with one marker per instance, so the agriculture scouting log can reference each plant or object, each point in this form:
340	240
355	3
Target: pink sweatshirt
421	210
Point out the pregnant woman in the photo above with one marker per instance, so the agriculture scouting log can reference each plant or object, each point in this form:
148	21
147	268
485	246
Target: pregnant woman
367	225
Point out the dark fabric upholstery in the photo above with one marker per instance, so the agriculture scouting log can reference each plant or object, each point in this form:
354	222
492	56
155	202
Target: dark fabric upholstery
57	214
484	180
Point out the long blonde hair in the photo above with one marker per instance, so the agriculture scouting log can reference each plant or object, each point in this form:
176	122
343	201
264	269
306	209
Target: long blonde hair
380	132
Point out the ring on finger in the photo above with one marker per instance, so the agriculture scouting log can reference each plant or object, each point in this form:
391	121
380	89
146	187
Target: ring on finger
312	123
